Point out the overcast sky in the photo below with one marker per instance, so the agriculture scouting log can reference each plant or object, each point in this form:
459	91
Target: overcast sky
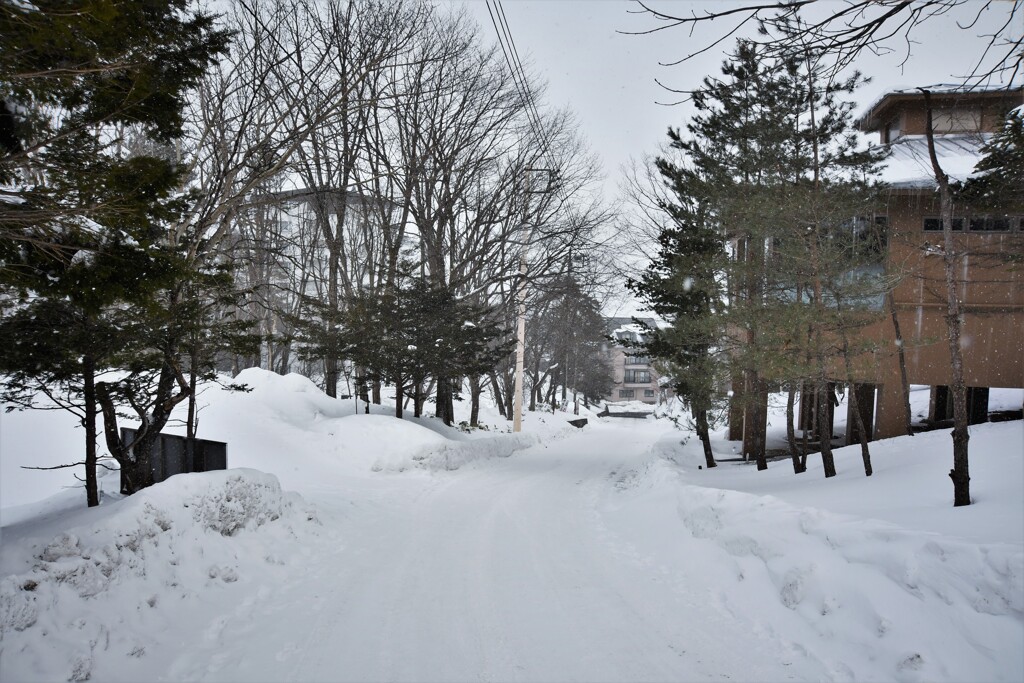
608	78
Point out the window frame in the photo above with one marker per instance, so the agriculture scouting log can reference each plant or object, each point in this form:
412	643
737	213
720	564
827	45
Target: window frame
1012	223
937	220
966	223
630	377
953	120
627	393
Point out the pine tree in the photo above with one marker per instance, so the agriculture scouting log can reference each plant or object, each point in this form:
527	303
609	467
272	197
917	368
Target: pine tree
682	286
999	178
413	333
83	213
770	170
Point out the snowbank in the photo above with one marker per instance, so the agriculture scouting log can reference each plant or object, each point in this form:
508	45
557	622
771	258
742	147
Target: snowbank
859	598
910	486
454	454
96	591
603	543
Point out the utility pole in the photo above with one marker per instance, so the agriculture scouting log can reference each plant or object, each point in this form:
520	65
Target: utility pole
517	399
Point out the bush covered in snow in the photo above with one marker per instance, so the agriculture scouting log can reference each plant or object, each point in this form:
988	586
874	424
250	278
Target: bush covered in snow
173	542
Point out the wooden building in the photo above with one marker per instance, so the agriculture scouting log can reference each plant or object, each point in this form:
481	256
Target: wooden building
990	286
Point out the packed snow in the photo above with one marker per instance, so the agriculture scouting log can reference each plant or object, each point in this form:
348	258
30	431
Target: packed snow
341	546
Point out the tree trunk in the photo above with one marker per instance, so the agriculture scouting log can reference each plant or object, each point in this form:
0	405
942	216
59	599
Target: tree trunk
862	432
812	425
92	495
190	427
755	420
510	390
960	474
375	392
701	418
363	389
475	389
824	405
865	451
399	398
331	376
736	409
285	361
134	458
798	468
496	389
445	409
136	473
901	354
533	390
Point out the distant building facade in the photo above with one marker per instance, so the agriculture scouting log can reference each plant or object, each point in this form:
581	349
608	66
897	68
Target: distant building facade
635	378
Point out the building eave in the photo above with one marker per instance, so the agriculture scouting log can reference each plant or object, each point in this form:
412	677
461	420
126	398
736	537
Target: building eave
874	116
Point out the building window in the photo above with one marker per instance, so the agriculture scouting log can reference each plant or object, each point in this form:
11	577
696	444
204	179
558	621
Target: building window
648	393
637	377
975	224
935	224
950	120
867	235
626	393
892	131
637	360
991	224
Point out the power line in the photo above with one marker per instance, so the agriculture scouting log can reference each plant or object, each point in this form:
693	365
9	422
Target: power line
515	55
508	48
515	69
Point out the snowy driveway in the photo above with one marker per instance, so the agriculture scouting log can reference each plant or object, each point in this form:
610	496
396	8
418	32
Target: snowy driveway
502	571
589	558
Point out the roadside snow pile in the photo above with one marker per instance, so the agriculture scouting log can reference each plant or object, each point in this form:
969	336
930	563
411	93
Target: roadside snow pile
910	486
451	455
283	424
914	605
281	412
878	602
153	557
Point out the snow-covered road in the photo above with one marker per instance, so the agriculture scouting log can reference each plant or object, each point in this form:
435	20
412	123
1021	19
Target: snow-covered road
503	572
596	555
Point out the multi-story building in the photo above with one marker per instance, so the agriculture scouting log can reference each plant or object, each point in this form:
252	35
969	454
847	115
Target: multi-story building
635	379
987	241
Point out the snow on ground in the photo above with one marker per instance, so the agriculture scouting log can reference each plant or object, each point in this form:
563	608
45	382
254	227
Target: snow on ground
284	425
94	601
412	551
910	485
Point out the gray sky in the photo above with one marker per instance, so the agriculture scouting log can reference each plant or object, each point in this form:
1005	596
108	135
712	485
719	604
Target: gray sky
608	78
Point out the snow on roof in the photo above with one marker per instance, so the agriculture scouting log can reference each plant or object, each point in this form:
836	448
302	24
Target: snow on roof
939	89
625	329
909	166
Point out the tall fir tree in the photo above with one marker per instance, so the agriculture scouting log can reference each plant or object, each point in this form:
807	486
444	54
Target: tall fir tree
82	212
682	286
769	167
